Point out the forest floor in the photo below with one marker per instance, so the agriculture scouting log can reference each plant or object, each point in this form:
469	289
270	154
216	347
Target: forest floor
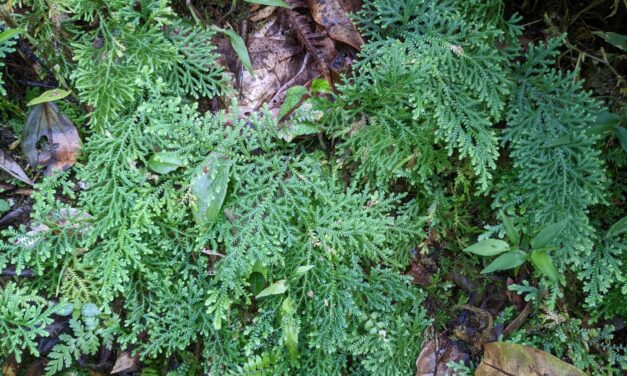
469	311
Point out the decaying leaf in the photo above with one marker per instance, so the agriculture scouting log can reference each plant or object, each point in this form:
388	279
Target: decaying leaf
502	358
276	58
331	15
125	362
9	368
436	354
8	165
45	121
315	41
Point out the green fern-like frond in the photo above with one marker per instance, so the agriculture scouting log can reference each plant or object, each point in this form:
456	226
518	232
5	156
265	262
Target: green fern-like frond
23	317
429	67
558	166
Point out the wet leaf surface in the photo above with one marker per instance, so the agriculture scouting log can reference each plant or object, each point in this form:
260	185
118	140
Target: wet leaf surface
50	139
502	358
209	188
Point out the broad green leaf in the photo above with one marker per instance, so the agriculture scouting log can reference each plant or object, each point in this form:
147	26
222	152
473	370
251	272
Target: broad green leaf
4	206
290	328
290	130
8	33
260	268
292	97
621	133
560	141
65	309
488	247
618	228
301	270
288	307
273	3
278	287
510	230
320	86
238	45
290	331
606	121
256	281
209	187
164	162
617	40
90	310
508	260
545	264
548	234
49	96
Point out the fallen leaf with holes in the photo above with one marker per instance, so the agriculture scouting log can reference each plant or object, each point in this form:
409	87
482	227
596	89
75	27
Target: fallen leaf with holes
436	354
502	358
8	165
47	124
331	15
125	362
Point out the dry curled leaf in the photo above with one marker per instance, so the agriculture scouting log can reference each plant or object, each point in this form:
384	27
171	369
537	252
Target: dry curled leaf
62	143
8	165
502	358
436	354
331	15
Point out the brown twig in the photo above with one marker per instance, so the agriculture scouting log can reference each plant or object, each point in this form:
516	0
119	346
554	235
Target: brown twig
518	321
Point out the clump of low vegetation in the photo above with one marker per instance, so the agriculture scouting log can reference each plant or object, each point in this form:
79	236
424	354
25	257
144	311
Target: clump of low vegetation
460	182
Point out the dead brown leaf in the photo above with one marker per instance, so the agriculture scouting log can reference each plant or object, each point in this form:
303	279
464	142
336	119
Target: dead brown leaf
436	354
311	36
331	15
277	58
125	362
9	368
8	165
502	358
35	369
45	121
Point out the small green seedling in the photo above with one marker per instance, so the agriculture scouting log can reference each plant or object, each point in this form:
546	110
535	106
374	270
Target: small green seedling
522	249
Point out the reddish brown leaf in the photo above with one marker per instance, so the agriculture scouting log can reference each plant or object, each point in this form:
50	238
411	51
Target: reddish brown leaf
8	165
435	356
331	15
502	358
420	274
45	121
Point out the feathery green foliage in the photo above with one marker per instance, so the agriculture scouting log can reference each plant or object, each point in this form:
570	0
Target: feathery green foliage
426	74
228	244
23	316
7	41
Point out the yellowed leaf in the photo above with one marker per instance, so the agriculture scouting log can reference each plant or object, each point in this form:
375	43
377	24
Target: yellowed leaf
502	358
